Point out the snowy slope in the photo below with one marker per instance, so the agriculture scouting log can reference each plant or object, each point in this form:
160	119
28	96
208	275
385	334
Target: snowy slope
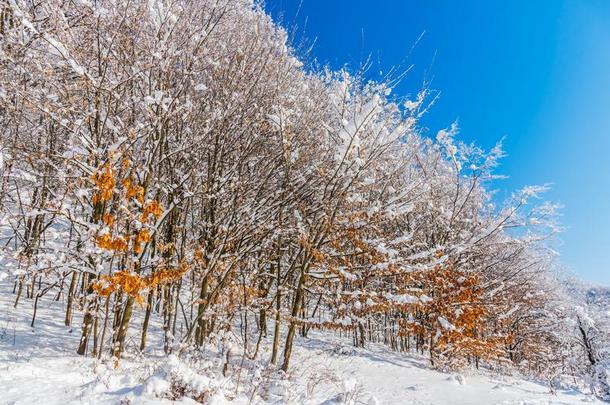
391	378
39	366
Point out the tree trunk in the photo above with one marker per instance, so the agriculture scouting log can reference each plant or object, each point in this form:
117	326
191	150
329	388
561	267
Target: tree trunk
201	331
19	292
262	321
276	331
87	319
361	335
168	307
296	308
119	341
68	318
149	303
106	308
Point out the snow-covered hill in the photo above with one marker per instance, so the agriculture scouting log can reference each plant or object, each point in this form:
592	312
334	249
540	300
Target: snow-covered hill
39	366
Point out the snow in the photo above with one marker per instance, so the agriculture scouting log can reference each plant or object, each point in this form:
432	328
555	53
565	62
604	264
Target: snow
445	323
39	366
392	378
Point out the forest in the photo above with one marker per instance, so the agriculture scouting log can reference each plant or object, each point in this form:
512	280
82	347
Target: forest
181	163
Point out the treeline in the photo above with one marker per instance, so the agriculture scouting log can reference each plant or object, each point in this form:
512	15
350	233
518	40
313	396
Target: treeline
177	158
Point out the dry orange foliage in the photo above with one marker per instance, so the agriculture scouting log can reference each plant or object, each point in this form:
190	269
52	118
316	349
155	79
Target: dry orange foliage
152	207
106	241
200	258
108	219
141	238
457	296
165	274
133	190
104	182
134	284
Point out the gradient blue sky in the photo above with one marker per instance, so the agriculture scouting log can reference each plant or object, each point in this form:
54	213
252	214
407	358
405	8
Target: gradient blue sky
537	72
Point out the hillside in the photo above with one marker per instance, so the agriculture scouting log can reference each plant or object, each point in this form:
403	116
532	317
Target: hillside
39	365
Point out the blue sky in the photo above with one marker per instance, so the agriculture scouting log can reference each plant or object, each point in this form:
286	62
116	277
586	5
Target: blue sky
536	72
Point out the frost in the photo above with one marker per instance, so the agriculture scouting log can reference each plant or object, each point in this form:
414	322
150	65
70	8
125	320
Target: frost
445	324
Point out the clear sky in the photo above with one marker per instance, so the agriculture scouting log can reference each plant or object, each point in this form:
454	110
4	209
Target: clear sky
537	72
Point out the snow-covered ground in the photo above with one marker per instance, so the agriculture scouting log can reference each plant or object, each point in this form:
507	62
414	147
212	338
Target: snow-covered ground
39	366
